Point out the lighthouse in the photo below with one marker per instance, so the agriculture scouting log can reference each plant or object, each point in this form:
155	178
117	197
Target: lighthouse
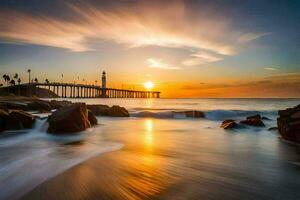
103	80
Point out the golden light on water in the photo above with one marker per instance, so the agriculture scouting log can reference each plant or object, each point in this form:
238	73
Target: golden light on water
148	133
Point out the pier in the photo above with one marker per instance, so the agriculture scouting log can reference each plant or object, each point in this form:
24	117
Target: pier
71	90
76	90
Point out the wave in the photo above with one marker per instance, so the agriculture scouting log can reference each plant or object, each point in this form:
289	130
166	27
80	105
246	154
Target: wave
210	114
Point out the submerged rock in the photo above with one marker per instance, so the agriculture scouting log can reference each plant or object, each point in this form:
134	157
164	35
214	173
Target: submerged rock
117	111
92	119
228	124
252	122
194	114
289	124
272	129
69	119
18	119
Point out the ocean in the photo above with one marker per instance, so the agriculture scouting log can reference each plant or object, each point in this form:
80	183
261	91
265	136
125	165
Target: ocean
156	154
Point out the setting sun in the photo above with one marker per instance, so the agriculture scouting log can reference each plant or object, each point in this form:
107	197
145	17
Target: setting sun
148	85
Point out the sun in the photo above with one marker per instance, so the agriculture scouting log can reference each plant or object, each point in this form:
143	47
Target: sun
148	85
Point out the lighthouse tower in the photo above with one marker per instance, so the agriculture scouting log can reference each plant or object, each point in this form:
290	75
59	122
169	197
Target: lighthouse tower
103	80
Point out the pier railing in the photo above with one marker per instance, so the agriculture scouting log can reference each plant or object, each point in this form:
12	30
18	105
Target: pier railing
72	90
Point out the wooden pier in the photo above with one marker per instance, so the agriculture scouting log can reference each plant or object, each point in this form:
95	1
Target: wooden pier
70	90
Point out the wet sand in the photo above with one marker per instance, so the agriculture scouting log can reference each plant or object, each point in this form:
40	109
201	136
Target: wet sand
178	159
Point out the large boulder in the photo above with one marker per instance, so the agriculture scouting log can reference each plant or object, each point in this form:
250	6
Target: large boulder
59	104
228	124
252	122
254	117
69	119
19	119
99	109
117	111
92	119
13	105
39	105
3	119
289	124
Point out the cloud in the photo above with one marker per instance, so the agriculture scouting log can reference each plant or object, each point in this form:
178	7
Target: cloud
141	24
201	58
271	68
247	37
159	64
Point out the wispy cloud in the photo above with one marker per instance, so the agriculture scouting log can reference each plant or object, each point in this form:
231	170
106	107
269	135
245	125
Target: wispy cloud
201	58
271	68
133	25
159	64
247	37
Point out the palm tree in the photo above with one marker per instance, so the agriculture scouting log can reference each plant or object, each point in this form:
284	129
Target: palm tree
5	77
12	82
16	76
29	70
36	80
46	81
19	81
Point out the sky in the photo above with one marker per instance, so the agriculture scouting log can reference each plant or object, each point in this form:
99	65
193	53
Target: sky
187	48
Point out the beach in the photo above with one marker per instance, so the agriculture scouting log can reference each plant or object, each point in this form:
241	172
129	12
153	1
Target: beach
156	157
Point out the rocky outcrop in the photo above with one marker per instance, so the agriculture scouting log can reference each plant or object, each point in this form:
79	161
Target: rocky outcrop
92	119
99	109
18	119
289	123
228	124
257	117
59	104
69	119
3	119
253	122
117	111
104	110
39	105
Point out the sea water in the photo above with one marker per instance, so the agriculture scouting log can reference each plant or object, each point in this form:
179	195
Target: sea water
248	162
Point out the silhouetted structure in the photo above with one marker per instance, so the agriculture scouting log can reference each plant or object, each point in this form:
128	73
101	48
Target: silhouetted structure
70	90
73	90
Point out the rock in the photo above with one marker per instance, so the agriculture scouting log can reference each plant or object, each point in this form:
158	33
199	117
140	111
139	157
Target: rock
273	129
92	119
69	119
13	105
19	120
228	124
39	105
194	114
99	109
3	119
254	117
59	104
117	111
252	122
288	124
